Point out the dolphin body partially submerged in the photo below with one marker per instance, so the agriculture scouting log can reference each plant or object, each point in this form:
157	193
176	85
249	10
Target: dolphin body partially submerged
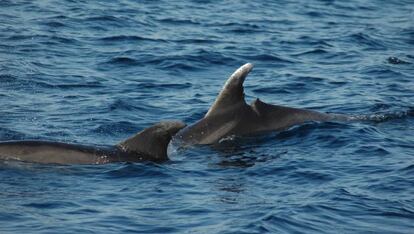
230	115
148	145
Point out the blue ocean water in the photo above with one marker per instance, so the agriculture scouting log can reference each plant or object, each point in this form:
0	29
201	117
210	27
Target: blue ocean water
96	72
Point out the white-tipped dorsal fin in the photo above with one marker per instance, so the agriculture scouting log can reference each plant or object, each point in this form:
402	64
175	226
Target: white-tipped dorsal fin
232	92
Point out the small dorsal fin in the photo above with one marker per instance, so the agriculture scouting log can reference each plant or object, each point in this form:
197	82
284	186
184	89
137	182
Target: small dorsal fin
232	92
151	143
261	108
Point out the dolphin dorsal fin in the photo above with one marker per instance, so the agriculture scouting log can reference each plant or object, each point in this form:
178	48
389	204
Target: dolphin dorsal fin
151	143
232	92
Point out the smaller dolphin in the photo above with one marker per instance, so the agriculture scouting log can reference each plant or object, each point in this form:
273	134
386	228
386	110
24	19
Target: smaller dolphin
230	115
148	145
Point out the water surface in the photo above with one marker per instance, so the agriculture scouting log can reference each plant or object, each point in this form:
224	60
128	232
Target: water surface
96	72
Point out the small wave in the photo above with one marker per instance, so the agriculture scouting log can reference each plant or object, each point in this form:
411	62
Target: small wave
128	61
51	205
172	86
279	223
172	65
24	37
272	90
7	78
103	18
383	72
196	41
245	30
377	107
268	58
409	35
315	14
329	57
93	84
312	175
44	39
7	134
84	211
408	170
298	132
133	170
176	22
312	52
117	127
129	38
104	22
309	42
192	62
313	79
54	24
8	3
364	39
211	57
239	28
121	104
187	62
244	160
372	150
65	86
237	24
123	61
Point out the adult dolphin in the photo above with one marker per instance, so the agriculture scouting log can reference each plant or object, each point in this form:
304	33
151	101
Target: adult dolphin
148	145
231	115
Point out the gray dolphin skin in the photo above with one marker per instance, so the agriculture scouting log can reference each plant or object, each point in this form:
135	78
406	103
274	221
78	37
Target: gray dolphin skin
230	115
148	145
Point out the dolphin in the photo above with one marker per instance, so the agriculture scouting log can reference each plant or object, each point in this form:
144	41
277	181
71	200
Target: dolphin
230	115
148	145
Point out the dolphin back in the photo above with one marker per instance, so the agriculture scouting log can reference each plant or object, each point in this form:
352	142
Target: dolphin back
149	144
50	152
